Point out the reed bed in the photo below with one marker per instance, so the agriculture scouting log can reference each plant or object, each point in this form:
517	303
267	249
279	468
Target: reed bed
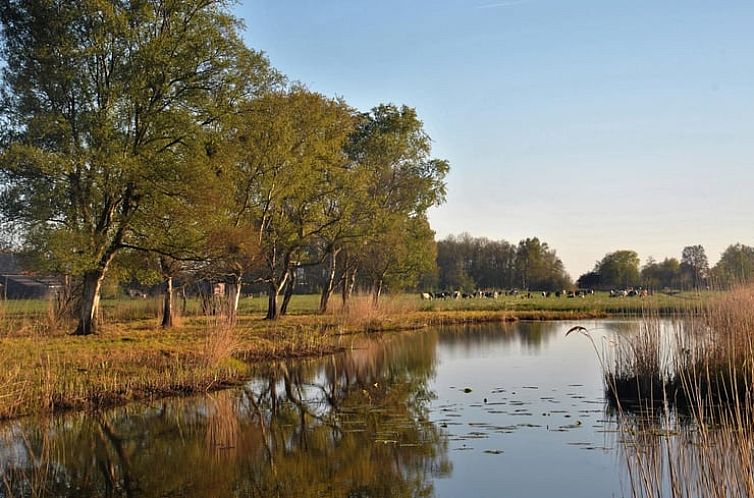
27	464
703	360
671	457
684	395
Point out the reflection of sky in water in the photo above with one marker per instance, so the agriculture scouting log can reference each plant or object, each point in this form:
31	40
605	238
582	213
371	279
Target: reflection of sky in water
544	412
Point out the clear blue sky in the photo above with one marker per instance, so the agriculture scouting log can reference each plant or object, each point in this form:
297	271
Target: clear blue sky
594	125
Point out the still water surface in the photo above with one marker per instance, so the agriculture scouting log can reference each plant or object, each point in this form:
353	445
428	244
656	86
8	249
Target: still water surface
485	411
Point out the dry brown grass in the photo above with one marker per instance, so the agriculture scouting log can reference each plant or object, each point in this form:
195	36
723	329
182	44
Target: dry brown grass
43	369
220	340
362	314
26	467
705	358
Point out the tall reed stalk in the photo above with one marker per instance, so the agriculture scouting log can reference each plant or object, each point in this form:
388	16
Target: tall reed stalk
684	391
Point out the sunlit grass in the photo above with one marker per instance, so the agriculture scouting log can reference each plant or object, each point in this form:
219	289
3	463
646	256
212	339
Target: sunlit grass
43	368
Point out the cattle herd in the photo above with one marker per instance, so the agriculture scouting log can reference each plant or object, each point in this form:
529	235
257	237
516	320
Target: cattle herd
480	294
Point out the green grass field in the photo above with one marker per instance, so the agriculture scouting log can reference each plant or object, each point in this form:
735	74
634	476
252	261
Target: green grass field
599	302
125	309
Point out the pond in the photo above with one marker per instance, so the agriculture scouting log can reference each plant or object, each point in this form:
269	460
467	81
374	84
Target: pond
480	411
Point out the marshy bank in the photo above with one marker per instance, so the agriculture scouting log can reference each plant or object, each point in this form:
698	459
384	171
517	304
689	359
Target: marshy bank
703	360
43	369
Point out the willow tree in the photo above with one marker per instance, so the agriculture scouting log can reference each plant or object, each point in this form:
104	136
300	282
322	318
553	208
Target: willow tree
291	153
398	256
402	180
103	101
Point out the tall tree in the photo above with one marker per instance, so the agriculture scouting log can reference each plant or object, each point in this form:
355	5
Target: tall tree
287	174
392	152
454	261
619	269
538	267
104	102
736	266
397	257
665	274
694	265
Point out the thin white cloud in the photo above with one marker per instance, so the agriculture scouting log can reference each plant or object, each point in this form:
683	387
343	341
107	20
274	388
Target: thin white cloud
497	5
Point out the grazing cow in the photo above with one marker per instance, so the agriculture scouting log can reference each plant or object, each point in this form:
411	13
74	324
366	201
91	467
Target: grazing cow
135	293
426	296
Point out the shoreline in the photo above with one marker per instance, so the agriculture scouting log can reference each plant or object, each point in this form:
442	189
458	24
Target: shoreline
135	360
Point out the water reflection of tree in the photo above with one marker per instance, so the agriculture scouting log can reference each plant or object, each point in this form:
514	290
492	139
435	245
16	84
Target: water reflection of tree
353	425
531	336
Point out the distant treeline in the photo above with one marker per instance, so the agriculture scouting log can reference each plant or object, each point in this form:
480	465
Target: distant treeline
467	263
621	269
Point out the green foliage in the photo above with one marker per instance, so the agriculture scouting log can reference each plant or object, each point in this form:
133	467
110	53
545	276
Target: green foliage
538	266
619	269
399	256
112	110
468	263
666	274
736	266
291	176
391	154
147	132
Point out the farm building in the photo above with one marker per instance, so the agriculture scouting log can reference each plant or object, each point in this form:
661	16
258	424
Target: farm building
15	283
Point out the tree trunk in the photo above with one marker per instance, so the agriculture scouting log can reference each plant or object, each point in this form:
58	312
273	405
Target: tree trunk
64	300
184	300
234	296
327	289
349	281
275	287
167	304
89	306
288	294
272	302
376	292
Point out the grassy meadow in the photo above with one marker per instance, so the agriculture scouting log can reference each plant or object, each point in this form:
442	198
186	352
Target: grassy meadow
43	368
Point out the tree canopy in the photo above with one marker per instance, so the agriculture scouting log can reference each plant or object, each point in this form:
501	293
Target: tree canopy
149	126
112	110
467	263
736	266
619	269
